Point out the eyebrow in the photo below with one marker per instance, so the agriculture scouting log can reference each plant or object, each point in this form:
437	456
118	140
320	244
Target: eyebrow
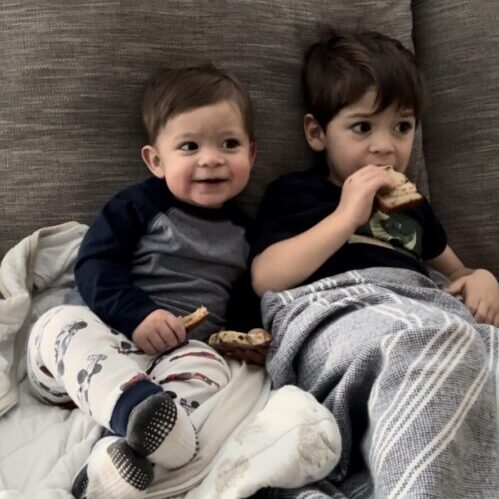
403	114
194	135
360	115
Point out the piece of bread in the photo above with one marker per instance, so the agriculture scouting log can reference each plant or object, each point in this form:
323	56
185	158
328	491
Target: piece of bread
227	340
251	347
404	195
192	320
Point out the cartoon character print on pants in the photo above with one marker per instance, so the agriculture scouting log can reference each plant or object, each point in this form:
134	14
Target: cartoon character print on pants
84	377
126	347
61	394
63	340
189	406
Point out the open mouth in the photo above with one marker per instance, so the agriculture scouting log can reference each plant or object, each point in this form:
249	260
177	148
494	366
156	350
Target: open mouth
210	181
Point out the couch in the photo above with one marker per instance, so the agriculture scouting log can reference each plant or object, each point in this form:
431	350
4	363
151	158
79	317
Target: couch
72	75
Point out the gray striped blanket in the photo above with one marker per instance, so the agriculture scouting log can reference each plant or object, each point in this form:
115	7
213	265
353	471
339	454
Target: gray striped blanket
408	374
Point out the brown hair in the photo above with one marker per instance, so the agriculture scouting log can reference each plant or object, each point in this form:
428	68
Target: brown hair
173	91
339	70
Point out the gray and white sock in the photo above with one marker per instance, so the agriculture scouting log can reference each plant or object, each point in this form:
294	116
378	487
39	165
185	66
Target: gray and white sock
114	471
162	431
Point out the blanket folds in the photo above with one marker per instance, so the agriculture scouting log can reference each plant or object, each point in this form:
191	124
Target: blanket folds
34	275
408	374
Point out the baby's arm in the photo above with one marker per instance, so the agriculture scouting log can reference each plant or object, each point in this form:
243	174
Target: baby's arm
102	269
159	332
478	287
288	263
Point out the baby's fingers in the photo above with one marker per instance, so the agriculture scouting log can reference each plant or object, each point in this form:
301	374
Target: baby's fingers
166	338
177	327
146	346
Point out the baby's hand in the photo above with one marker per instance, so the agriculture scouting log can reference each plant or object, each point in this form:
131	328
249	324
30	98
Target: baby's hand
358	191
159	332
480	292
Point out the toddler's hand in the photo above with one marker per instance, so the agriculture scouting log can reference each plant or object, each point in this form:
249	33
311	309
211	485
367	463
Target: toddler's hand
480	292
159	332
358	191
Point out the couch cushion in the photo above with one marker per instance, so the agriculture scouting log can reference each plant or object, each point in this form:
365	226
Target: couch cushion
458	46
73	73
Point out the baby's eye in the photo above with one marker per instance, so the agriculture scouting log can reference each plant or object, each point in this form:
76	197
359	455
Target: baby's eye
361	127
404	127
231	144
188	146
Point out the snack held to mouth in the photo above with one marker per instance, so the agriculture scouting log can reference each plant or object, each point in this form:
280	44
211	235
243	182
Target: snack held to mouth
251	347
192	320
404	195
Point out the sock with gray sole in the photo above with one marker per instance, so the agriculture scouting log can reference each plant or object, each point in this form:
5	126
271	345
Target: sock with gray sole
162	431
114	471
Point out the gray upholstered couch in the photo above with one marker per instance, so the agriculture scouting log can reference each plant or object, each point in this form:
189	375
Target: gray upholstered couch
72	73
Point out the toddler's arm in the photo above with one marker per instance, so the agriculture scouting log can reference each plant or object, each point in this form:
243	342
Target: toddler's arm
478	287
289	262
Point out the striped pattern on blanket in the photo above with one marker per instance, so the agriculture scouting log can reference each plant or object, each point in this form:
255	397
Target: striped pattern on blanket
408	374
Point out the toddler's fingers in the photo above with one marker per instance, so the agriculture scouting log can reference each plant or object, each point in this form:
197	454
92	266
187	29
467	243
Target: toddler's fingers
472	304
456	287
492	315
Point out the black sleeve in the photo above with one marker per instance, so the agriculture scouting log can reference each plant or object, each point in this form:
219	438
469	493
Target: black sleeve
102	269
291	205
434	236
243	309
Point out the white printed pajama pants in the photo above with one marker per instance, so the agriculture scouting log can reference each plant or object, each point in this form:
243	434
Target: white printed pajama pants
74	357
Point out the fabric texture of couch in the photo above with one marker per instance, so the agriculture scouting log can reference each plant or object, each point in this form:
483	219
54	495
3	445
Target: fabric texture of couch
73	72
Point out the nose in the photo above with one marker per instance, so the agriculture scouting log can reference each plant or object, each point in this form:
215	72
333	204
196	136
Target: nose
381	143
210	158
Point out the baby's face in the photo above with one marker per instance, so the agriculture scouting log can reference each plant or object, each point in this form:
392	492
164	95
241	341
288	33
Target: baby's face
357	137
205	154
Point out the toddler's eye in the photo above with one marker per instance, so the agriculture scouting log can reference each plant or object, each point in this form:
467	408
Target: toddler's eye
361	127
404	127
231	144
188	146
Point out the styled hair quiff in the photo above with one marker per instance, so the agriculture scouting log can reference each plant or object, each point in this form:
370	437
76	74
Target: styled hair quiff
170	92
340	69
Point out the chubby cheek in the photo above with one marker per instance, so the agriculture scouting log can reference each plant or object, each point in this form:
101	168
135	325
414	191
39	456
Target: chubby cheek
178	185
345	163
407	153
242	174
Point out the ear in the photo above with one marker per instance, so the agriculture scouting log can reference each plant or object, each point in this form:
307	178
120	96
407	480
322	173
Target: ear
151	158
314	133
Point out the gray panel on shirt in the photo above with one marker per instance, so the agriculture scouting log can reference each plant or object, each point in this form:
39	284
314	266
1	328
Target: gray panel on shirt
184	262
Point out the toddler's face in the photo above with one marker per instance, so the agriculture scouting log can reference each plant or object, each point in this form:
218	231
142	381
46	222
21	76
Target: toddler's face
357	137
204	155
